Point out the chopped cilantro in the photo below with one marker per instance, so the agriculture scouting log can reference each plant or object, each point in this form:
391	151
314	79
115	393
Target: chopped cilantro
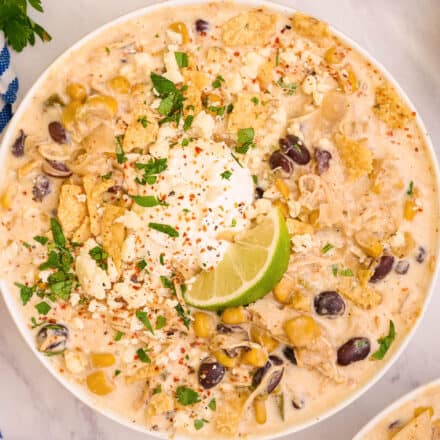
143	356
226	174
183	315
255	100
36	324
236	160
385	343
198	423
40	239
147	201
188	121
26	245
43	308
185	142
288	88
212	405
143	121
26	292
141	265
57	232
157	390
335	270
142	316
118	336
346	272
410	190
234	222
164	228
187	396
245	139
120	153
217	83
229	108
181	59
106	176
151	169
255	179
100	256
161	259
160	322
107	50
328	247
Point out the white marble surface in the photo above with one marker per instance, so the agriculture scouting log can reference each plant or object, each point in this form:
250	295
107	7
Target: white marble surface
405	36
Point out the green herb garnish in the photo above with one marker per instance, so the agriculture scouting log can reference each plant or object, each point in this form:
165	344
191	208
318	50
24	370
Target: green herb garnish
157	390
245	139
212	405
100	256
117	372
43	308
106	176
120	153
143	121
385	343
187	396
40	239
26	292
255	100
288	88
142	316
160	322
141	265
218	82
181	59
328	247
188	121
118	336
164	228
410	190
147	201
143	356
226	175
151	169
183	315
198	423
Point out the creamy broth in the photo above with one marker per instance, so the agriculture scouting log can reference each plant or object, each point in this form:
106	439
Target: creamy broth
368	189
424	406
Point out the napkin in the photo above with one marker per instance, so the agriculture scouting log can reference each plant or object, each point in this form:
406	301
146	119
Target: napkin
8	84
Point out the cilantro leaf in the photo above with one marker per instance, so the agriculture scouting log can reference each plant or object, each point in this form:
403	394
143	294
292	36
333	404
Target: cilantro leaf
57	232
164	228
328	247
143	121
199	423
188	121
183	315
162	85
40	239
226	174
143	356
288	88
151	169
410	190
142	316
160	322
100	256
120	153
118	336
216	84
181	59
245	139
212	405
141	264
26	292
147	201
43	308
187	396
385	343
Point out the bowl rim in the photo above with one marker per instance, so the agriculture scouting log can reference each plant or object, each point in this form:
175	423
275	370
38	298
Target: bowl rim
11	300
405	398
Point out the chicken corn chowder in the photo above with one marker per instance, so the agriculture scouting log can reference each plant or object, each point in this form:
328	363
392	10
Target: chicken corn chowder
219	225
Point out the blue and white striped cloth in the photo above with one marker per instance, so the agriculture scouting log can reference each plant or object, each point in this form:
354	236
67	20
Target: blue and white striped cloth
8	84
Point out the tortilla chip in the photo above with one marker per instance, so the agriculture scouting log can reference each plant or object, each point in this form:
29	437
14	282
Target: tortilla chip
146	372
298	227
142	131
159	404
248	114
265	74
101	139
230	413
363	296
83	232
71	212
95	187
249	28
196	82
113	234
419	428
215	55
310	27
390	108
356	157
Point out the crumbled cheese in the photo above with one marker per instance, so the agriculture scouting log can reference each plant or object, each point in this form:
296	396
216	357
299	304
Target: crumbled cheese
74	299
234	83
135	297
162	145
92	278
75	361
301	242
174	37
203	125
397	240
309	84
81	198
288	57
251	63
172	69
129	248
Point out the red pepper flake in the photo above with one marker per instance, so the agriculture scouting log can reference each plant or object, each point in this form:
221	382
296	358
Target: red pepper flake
198	150
236	53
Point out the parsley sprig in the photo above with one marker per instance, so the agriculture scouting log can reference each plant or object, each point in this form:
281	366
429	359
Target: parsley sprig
18	27
151	170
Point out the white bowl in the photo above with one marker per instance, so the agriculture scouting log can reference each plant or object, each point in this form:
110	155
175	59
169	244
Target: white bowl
414	394
15	308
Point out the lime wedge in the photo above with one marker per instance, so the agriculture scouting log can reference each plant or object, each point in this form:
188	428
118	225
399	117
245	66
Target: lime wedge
250	268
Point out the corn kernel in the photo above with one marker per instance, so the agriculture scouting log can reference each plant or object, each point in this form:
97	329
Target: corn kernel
234	315
313	217
70	113
282	206
282	187
283	290
102	360
347	80
203	324
259	405
98	383
263	337
409	210
332	56
421	409
119	84
256	357
180	28
6	199
224	359
76	92
302	330
27	168
101	101
300	302
369	243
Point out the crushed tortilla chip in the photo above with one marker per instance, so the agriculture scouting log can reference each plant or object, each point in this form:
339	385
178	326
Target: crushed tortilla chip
82	234
230	413
142	131
390	108
215	55
249	28
146	372
71	211
159	404
356	157
195	81
248	114
95	187
113	234
311	27
363	296
101	139
265	74
298	227
419	427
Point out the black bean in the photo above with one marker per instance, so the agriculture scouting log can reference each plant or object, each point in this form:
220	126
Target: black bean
17	148
294	147
354	350
274	380
275	360
289	354
280	160
275	376
57	132
202	26
259	374
329	304
402	267
210	373
259	192
52	338
41	188
298	403
322	158
383	268
227	329
421	254
54	168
